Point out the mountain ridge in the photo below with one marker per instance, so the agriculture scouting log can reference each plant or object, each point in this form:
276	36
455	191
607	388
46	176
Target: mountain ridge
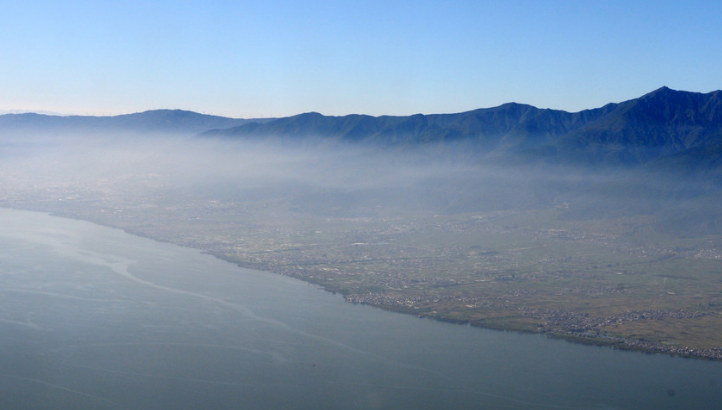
151	121
631	133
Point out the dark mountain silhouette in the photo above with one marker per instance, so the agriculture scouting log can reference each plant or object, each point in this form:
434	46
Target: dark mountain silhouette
659	124
662	128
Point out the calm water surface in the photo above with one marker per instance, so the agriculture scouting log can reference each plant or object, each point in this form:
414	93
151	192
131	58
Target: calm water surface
93	318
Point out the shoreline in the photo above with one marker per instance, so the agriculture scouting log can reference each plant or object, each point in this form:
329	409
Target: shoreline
620	343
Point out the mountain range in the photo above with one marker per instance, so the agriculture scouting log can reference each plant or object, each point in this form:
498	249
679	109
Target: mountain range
664	128
662	124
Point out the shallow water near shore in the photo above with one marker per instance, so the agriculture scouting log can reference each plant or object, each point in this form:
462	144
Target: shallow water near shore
92	317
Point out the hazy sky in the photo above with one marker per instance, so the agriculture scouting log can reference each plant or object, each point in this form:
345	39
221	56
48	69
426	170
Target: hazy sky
278	58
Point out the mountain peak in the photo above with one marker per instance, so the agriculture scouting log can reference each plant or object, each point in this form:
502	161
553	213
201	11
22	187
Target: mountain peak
663	91
312	114
668	93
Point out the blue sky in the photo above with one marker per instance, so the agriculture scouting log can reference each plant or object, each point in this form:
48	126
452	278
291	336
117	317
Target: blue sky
278	58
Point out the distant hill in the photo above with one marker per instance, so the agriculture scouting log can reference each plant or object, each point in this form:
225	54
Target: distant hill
155	121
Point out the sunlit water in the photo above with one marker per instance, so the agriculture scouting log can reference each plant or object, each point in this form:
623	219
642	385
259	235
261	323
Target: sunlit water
93	318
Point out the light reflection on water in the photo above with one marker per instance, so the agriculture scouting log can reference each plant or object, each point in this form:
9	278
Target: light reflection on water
91	317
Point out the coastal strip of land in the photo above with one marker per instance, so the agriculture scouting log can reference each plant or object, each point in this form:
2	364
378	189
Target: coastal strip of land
616	281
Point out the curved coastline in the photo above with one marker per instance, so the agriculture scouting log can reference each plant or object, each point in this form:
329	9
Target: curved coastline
628	344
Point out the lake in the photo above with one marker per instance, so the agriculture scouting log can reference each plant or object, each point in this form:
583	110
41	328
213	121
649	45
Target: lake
94	318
